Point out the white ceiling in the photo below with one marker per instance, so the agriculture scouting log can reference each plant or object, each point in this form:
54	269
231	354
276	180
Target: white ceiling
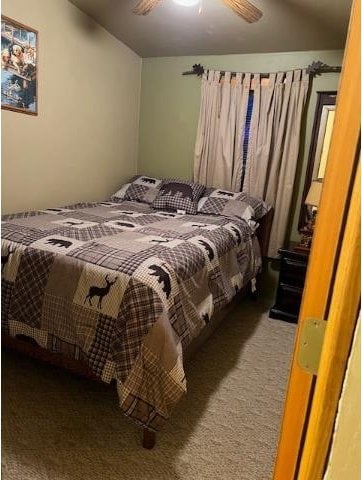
173	30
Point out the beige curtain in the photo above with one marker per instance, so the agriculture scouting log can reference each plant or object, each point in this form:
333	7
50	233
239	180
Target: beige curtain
207	130
240	123
274	146
271	151
222	115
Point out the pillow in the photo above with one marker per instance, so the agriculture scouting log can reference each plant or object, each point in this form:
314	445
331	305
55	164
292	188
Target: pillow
139	189
231	204
178	195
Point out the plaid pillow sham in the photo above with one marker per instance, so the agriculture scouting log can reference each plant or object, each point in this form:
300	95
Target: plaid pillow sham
140	189
239	204
178	195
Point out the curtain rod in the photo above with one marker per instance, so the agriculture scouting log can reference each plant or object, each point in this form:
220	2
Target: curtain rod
314	69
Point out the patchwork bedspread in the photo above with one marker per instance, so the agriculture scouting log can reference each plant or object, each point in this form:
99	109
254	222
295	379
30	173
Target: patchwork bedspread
123	288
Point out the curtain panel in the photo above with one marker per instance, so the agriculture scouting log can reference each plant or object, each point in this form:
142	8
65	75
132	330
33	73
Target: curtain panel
248	138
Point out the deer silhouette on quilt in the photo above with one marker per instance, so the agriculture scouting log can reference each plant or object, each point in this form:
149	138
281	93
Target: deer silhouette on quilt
99	292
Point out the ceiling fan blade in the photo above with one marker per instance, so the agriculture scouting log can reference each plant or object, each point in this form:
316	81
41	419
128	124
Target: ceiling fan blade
245	9
144	7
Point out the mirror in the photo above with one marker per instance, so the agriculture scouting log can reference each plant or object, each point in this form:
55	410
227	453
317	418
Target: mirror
319	147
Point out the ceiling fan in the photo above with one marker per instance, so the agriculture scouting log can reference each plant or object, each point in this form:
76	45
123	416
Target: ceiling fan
243	8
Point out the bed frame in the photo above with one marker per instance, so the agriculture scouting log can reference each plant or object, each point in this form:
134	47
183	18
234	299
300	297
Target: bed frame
27	346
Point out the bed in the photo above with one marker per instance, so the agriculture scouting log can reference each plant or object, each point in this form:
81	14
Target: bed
120	292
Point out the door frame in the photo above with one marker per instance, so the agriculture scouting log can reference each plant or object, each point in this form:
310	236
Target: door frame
324	258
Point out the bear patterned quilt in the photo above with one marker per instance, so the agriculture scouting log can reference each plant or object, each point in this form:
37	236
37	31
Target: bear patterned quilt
123	288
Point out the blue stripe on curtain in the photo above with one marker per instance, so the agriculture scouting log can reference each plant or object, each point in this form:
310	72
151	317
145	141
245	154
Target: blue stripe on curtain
245	138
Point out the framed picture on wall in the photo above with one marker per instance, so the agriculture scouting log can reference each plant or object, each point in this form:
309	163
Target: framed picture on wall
319	146
19	67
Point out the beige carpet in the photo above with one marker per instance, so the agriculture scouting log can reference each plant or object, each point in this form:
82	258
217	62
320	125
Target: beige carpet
59	427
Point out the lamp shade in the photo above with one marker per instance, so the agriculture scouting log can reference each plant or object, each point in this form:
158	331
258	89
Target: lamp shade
314	194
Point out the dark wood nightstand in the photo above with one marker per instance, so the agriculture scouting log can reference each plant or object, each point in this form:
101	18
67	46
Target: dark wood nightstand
293	267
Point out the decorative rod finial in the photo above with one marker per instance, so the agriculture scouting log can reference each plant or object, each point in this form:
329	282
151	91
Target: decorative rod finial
198	69
317	68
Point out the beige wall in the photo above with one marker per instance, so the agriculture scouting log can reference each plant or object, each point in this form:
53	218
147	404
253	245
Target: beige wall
83	144
345	458
170	108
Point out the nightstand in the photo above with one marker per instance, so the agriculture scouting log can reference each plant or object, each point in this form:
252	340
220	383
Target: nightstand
293	267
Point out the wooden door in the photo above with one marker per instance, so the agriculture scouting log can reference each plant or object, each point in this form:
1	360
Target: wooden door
326	254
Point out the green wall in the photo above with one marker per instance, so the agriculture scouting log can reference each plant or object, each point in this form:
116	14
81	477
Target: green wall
170	109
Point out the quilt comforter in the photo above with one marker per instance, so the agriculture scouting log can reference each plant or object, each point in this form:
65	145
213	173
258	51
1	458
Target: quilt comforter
123	288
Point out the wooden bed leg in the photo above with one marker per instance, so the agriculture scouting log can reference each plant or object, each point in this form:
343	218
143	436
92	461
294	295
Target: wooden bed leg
149	439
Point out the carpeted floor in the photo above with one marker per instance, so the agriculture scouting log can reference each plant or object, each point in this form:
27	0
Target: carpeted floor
59	427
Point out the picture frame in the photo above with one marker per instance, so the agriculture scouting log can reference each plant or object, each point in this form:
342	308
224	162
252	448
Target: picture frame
19	67
323	141
319	146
